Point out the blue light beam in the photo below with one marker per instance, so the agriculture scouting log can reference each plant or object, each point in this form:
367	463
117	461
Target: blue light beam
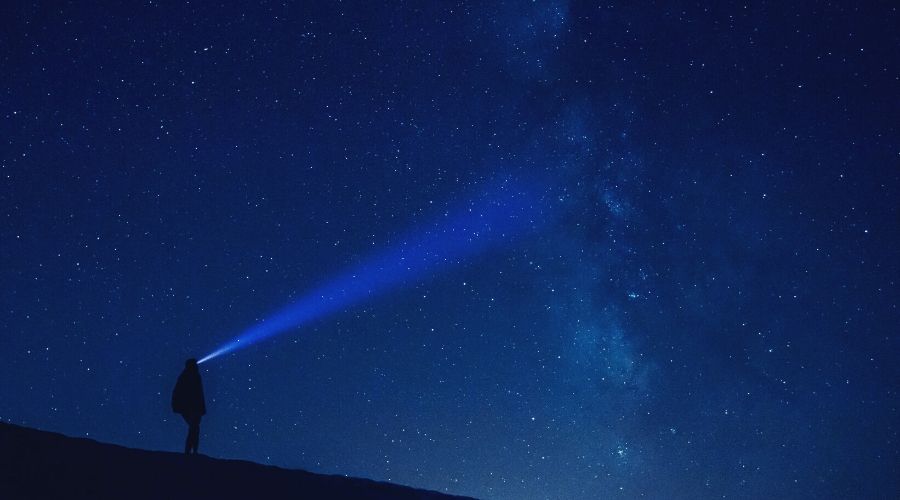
494	218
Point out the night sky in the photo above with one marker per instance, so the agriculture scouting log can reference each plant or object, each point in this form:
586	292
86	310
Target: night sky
703	301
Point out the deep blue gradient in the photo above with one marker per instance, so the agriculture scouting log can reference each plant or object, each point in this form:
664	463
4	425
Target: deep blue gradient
708	309
496	217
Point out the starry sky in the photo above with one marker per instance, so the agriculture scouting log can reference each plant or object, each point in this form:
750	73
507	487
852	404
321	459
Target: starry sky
708	306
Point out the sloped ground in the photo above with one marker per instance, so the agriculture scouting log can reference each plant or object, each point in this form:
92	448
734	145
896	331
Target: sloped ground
40	465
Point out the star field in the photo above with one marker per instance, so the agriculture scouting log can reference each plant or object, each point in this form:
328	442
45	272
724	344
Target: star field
708	307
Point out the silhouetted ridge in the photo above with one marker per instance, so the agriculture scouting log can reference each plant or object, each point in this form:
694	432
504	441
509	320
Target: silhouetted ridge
37	464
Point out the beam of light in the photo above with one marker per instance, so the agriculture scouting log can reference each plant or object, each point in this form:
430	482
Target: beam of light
487	221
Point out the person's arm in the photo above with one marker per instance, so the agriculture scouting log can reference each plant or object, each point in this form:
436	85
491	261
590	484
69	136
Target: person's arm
202	399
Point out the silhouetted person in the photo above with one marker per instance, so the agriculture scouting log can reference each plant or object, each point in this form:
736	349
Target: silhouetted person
187	399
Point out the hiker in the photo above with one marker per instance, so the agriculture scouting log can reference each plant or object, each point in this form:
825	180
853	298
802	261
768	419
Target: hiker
187	399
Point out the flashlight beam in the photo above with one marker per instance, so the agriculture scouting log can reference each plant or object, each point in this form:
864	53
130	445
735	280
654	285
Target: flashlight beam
490	220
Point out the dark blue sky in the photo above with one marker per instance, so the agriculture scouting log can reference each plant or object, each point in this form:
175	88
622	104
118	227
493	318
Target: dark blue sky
708	308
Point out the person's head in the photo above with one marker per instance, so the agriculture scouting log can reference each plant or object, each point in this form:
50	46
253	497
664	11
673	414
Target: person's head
190	364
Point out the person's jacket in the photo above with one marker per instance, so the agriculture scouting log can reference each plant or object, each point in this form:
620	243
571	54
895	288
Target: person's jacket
187	398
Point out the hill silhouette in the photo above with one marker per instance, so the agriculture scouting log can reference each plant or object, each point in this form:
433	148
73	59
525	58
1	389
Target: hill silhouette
38	464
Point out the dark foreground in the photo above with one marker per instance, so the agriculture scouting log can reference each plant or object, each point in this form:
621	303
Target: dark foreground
37	464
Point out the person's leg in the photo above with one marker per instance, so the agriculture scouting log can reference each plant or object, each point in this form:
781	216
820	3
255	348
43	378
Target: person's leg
195	434
187	441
